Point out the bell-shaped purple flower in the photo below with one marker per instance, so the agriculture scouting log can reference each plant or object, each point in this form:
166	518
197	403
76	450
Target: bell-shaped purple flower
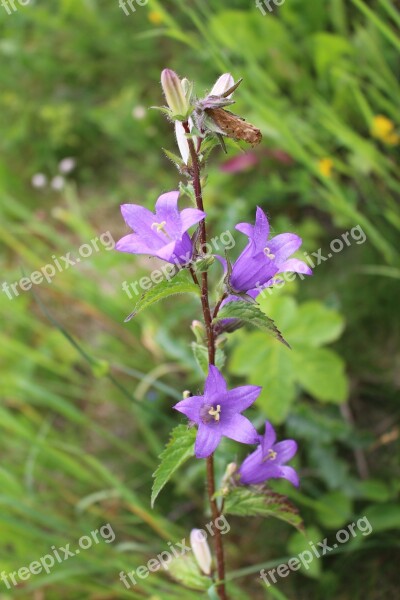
268	460
163	234
217	413
262	259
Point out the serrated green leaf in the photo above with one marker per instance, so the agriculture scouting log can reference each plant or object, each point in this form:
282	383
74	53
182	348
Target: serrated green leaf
179	284
178	450
250	313
174	158
255	502
201	355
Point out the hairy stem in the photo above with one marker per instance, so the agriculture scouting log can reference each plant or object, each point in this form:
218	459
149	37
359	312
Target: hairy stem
205	303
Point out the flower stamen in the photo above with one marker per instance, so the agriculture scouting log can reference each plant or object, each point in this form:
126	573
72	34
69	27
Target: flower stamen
268	253
160	227
271	455
215	412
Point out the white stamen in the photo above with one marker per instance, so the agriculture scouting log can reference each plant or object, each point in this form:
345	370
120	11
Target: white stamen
215	412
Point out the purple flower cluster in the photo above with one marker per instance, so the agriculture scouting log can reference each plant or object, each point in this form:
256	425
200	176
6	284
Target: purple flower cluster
217	413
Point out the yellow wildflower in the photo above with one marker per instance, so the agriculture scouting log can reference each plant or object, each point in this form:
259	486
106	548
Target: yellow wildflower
325	166
383	129
155	17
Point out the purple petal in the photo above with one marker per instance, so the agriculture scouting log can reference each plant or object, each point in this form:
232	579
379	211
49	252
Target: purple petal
268	439
207	441
191	407
245	228
284	245
137	217
290	474
254	475
141	220
133	244
257	233
251	464
240	429
167	252
222	261
215	385
261	230
191	216
240	398
285	451
252	269
295	266
167	210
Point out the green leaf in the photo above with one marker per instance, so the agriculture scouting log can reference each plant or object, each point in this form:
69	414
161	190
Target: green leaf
321	372
317	324
270	367
255	502
383	517
174	158
299	543
334	510
250	313
179	284
178	450
185	570
201	355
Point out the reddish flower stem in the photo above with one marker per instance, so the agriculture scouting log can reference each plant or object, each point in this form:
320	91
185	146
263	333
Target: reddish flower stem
195	168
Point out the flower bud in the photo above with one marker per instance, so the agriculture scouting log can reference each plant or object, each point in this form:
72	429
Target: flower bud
201	550
174	94
222	84
199	331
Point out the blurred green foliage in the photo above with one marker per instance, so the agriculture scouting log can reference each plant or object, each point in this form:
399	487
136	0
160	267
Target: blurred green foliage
86	399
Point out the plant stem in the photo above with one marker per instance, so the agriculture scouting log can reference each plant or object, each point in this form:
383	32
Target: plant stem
216	513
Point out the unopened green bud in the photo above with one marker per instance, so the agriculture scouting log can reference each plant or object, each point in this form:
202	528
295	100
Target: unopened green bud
174	94
199	331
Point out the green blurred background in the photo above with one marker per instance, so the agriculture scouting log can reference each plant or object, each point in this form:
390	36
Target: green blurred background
86	399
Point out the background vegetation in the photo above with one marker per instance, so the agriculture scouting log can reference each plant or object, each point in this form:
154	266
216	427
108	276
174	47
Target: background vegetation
86	399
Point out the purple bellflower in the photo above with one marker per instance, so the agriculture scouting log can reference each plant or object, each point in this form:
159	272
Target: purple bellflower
268	460
217	413
163	234
262	259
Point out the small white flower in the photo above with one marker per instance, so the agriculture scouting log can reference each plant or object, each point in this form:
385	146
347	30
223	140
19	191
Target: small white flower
58	183
222	84
201	550
67	165
39	180
139	112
